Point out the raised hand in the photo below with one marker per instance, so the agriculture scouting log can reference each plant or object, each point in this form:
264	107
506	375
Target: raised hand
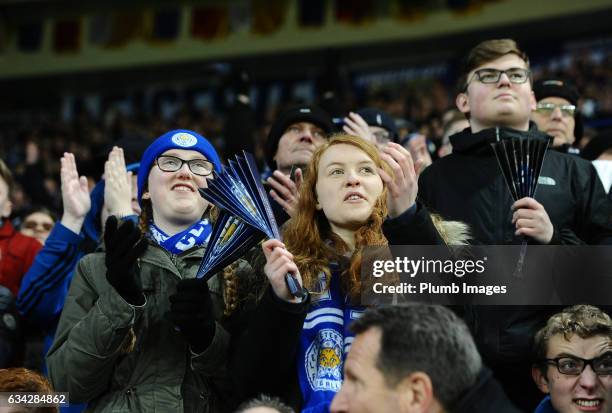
75	194
279	262
355	125
403	185
532	220
118	185
285	191
191	311
124	244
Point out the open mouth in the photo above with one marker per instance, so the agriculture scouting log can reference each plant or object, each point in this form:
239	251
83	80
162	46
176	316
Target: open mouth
183	188
589	404
353	196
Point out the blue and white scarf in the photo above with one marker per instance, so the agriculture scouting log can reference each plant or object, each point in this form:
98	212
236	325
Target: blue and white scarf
197	234
324	343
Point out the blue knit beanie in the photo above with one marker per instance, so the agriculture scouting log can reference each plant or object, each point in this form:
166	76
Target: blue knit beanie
175	139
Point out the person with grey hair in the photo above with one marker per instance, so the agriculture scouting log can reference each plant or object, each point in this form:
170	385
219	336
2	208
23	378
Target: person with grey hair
264	404
416	358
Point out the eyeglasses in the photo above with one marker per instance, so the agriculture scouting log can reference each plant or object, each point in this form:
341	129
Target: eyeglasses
548	108
516	75
574	366
200	167
47	226
382	137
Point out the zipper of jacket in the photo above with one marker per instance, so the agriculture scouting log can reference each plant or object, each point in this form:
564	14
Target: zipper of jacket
500	201
174	259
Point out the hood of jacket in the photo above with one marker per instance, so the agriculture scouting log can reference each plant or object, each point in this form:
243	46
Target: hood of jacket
466	142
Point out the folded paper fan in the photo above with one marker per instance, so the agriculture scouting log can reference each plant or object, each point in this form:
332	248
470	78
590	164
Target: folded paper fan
245	220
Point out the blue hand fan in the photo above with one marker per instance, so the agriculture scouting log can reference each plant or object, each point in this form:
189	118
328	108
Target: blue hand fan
247	216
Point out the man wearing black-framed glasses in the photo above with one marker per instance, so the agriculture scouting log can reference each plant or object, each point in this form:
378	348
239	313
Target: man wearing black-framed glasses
573	361
556	113
495	94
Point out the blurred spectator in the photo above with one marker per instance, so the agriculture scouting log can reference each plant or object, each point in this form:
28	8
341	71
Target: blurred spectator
557	114
293	138
573	361
23	380
38	223
418	146
17	251
373	125
599	151
11	339
239	126
454	122
264	404
416	358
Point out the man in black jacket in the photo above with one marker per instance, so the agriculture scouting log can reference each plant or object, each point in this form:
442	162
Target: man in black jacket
570	206
416	358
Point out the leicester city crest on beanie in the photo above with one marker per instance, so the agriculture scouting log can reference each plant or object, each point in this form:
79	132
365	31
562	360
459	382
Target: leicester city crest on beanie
174	139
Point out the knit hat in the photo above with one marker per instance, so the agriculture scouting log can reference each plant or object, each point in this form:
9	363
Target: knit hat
296	114
175	139
556	88
376	117
561	89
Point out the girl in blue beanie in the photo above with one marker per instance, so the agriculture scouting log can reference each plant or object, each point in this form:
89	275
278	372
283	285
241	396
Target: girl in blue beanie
138	332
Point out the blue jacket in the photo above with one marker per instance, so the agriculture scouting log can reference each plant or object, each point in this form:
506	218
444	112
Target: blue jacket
545	406
45	286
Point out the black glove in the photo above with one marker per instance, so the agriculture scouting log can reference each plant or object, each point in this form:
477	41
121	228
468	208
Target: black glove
191	310
124	244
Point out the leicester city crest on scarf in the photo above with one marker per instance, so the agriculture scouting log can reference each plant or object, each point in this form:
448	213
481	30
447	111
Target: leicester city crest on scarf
324	361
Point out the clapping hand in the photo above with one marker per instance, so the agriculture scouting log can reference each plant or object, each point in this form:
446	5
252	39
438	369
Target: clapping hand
75	194
403	185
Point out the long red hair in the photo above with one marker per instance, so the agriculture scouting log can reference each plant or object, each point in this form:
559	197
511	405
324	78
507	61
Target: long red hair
308	235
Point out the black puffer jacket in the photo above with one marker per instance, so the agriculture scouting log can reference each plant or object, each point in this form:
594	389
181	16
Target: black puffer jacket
468	186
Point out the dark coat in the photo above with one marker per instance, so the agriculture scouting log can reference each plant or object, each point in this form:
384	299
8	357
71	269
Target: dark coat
468	186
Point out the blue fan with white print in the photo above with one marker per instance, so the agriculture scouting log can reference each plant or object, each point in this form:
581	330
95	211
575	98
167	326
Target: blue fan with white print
230	239
246	217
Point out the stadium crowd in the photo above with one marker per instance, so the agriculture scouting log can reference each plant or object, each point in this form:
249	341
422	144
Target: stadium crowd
103	230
